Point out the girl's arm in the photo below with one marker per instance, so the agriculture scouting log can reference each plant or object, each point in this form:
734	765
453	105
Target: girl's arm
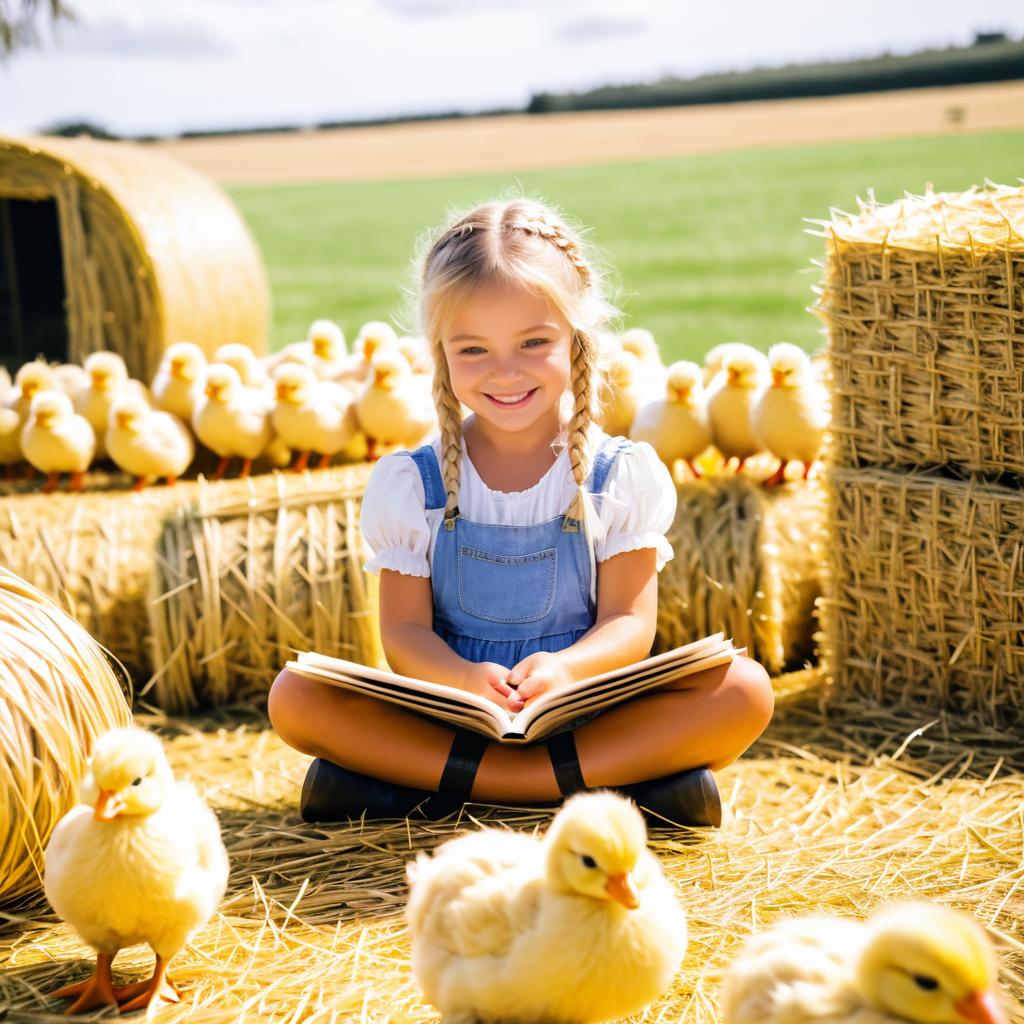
627	611
414	649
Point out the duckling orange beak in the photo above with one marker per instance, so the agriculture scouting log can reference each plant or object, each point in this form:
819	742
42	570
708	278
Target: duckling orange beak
778	378
109	805
980	1008
622	889
283	391
321	348
733	376
125	419
380	378
179	369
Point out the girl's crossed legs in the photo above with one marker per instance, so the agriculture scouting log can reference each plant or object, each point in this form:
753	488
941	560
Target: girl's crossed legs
706	719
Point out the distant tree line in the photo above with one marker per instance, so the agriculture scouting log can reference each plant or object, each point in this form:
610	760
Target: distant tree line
992	58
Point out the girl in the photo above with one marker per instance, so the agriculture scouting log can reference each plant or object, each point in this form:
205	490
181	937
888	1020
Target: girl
517	553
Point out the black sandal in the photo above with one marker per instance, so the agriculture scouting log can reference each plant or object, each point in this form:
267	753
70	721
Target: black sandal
684	798
333	793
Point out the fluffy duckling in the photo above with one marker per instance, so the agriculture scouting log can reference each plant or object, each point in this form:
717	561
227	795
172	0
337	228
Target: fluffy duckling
140	859
179	379
57	440
651	370
6	384
578	926
251	372
677	426
373	337
394	406
620	393
108	378
230	419
30	379
792	414
148	442
917	962
714	361
731	400
327	349
312	415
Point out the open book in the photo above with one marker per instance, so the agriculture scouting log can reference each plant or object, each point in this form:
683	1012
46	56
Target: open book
543	714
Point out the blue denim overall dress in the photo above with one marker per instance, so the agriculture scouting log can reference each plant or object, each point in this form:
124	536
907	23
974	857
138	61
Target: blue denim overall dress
504	592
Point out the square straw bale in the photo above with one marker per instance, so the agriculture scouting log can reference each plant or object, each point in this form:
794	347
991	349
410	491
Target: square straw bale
924	592
747	561
243	581
923	302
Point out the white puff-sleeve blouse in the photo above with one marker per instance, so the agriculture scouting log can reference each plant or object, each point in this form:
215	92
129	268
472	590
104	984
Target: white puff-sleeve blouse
636	510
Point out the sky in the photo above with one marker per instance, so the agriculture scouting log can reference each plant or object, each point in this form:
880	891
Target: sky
165	66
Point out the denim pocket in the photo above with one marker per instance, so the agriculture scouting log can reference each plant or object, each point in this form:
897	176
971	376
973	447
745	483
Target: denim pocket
506	588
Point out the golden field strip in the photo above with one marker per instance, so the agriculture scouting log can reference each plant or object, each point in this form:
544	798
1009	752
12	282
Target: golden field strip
522	142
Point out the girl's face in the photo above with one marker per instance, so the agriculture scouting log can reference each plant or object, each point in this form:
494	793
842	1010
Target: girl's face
508	353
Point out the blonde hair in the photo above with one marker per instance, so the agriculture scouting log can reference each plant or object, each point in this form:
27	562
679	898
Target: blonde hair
514	241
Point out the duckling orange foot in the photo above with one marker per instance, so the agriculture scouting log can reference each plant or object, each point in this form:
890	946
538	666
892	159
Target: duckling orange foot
158	989
779	476
95	991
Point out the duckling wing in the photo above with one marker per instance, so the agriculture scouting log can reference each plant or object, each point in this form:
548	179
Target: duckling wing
477	894
204	878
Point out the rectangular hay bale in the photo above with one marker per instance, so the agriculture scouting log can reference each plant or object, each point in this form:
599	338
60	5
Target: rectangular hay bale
923	301
747	561
924	592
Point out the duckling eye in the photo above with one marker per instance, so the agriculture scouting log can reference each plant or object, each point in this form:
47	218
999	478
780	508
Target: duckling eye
588	861
137	782
923	981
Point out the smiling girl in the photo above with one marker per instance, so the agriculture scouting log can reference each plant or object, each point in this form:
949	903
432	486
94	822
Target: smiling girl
518	553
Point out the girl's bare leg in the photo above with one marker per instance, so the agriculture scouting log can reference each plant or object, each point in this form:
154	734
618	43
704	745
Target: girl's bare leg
708	718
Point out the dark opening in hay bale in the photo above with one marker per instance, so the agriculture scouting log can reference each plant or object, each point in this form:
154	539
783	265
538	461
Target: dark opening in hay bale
244	580
924	592
747	561
126	249
923	304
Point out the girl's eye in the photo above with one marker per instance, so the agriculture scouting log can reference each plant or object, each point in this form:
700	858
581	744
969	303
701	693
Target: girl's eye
535	342
471	350
588	861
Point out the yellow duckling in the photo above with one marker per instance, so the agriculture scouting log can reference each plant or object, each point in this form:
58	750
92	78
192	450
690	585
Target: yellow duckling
57	440
6	384
312	415
30	379
179	379
327	349
714	361
731	400
373	337
394	406
620	393
792	414
231	420
917	962
677	426
148	442
140	859
651	370
578	926
70	378
108	378
251	372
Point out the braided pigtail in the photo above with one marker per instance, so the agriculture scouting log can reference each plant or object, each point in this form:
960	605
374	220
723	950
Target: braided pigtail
582	383
449	414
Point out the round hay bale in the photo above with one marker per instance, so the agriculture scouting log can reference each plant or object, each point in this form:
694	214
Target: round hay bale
128	250
58	694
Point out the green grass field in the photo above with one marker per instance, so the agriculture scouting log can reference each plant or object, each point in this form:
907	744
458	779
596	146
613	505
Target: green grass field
705	249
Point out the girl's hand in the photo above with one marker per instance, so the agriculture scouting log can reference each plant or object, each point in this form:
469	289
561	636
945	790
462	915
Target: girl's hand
534	675
487	678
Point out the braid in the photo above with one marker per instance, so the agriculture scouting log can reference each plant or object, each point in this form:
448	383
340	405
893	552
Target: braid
533	219
584	363
450	417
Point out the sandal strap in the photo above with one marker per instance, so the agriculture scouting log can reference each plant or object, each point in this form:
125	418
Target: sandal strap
566	763
461	767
